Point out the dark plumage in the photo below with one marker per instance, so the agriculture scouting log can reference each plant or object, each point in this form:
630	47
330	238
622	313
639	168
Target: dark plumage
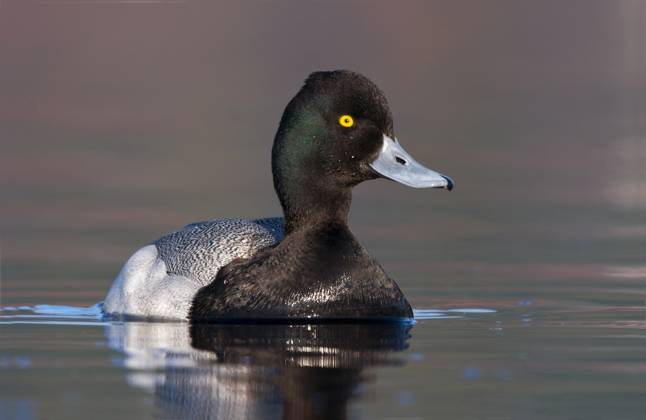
319	270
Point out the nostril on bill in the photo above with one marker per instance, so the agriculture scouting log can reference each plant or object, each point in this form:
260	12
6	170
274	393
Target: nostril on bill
400	160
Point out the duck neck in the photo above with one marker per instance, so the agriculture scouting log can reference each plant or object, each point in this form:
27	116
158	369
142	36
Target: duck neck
307	208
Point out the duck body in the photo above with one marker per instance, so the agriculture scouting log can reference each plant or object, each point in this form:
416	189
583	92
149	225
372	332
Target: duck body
334	134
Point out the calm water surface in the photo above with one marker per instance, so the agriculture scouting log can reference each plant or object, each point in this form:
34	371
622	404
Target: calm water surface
120	122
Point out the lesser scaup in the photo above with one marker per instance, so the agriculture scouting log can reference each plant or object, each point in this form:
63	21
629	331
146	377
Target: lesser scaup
335	133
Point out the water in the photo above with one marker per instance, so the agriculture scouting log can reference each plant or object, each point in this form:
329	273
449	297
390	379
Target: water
468	363
120	122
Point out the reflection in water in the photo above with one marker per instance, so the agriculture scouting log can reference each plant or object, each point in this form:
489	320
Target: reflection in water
254	371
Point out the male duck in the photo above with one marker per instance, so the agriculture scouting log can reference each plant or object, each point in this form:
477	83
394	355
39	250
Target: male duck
335	133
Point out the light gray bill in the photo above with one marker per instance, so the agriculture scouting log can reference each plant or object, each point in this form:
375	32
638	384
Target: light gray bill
393	162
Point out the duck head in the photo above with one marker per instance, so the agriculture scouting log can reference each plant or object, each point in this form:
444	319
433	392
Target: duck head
334	134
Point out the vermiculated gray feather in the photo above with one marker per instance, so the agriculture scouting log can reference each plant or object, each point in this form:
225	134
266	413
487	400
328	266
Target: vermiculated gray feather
199	249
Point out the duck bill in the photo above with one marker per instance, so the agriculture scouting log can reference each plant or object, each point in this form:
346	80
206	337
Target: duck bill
393	162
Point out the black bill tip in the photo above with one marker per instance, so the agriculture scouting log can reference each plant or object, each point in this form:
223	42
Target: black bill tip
449	183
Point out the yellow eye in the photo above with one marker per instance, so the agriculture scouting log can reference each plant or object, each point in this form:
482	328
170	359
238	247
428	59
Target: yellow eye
346	121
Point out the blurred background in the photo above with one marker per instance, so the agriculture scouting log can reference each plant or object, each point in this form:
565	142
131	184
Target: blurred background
123	120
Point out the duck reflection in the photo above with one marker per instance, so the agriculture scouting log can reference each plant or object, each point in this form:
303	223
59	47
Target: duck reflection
255	371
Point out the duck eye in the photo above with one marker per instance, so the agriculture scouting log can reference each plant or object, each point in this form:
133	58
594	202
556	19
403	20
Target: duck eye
346	121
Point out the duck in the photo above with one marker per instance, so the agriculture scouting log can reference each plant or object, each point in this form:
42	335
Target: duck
335	133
